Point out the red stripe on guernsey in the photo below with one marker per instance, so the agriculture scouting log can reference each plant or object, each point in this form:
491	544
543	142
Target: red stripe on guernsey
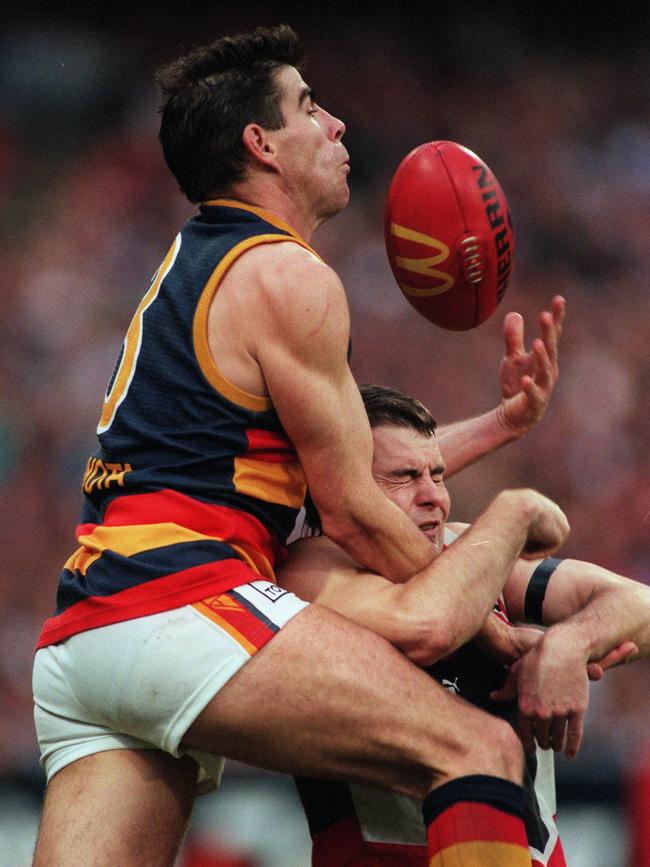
167	506
266	445
160	594
474	821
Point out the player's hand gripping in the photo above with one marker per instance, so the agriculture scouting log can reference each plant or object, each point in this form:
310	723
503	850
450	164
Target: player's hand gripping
552	682
545	523
505	642
527	379
547	530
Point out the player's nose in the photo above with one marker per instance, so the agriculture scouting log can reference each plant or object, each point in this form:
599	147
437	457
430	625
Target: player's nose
335	127
428	492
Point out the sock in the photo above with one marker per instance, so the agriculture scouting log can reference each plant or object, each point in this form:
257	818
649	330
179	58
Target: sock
476	821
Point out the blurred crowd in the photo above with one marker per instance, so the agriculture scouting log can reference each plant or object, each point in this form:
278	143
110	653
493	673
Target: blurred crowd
88	210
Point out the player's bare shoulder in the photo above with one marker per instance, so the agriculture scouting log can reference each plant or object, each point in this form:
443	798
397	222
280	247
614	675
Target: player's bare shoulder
297	288
281	273
313	562
295	296
278	302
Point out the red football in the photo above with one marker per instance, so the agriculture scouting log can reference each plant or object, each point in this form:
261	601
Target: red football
449	235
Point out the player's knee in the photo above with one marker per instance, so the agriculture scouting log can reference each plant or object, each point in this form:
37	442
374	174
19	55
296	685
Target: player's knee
495	750
510	752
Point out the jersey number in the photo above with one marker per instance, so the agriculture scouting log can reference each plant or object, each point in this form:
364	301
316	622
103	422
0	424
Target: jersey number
125	367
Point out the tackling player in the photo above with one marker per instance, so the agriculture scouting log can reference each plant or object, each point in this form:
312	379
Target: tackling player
592	613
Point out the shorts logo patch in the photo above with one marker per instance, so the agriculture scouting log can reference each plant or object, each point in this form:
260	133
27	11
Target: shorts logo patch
271	591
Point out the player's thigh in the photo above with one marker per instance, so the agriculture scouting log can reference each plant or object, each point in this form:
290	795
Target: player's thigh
126	807
328	698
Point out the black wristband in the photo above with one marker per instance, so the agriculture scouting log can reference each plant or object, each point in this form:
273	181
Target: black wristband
537	590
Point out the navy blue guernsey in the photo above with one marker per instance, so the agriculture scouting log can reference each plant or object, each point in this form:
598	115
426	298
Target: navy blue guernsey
195	486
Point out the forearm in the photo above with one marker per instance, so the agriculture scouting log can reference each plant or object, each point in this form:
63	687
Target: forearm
378	535
619	610
474	568
428	616
464	442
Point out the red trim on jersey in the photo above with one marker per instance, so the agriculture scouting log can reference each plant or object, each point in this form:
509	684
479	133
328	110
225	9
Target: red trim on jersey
267	445
159	594
222	522
343	844
555	859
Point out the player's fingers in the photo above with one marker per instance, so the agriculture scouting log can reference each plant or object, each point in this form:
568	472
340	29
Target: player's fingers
551	327
507	692
558	309
595	671
513	333
625	652
558	734
542	363
534	396
548	332
527	733
550	337
574	734
543	733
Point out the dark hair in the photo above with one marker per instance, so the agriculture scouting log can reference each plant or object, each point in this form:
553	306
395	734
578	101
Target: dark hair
383	406
392	407
210	95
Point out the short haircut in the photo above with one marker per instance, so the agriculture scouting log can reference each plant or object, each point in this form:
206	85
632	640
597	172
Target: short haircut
383	406
391	407
210	95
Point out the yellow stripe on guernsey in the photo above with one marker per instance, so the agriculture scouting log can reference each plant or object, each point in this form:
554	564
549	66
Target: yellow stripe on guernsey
129	540
281	483
133	342
484	852
254	402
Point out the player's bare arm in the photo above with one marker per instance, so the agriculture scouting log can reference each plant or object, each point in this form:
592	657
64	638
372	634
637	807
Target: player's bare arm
526	379
593	614
427	617
279	327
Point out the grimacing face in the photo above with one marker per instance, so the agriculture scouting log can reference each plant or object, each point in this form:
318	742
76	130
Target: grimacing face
312	157
408	467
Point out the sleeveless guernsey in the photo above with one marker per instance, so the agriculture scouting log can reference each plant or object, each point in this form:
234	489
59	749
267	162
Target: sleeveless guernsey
195	486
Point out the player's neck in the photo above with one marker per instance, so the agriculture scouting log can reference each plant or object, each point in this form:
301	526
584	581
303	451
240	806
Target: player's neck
270	197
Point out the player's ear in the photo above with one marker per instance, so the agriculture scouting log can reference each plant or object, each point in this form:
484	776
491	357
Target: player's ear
258	144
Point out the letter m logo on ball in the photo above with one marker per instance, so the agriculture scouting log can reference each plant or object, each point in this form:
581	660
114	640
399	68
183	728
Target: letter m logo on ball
425	265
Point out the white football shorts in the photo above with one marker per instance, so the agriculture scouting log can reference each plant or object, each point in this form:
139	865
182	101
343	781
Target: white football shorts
140	684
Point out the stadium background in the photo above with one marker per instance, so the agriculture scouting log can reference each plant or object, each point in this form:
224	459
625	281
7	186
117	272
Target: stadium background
555	98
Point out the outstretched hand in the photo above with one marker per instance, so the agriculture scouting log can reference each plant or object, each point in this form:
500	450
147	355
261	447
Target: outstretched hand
527	378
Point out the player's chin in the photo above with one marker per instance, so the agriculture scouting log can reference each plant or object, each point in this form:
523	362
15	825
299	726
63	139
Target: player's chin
434	535
336	202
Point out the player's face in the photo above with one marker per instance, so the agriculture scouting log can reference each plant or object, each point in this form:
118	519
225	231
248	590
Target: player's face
313	161
408	467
